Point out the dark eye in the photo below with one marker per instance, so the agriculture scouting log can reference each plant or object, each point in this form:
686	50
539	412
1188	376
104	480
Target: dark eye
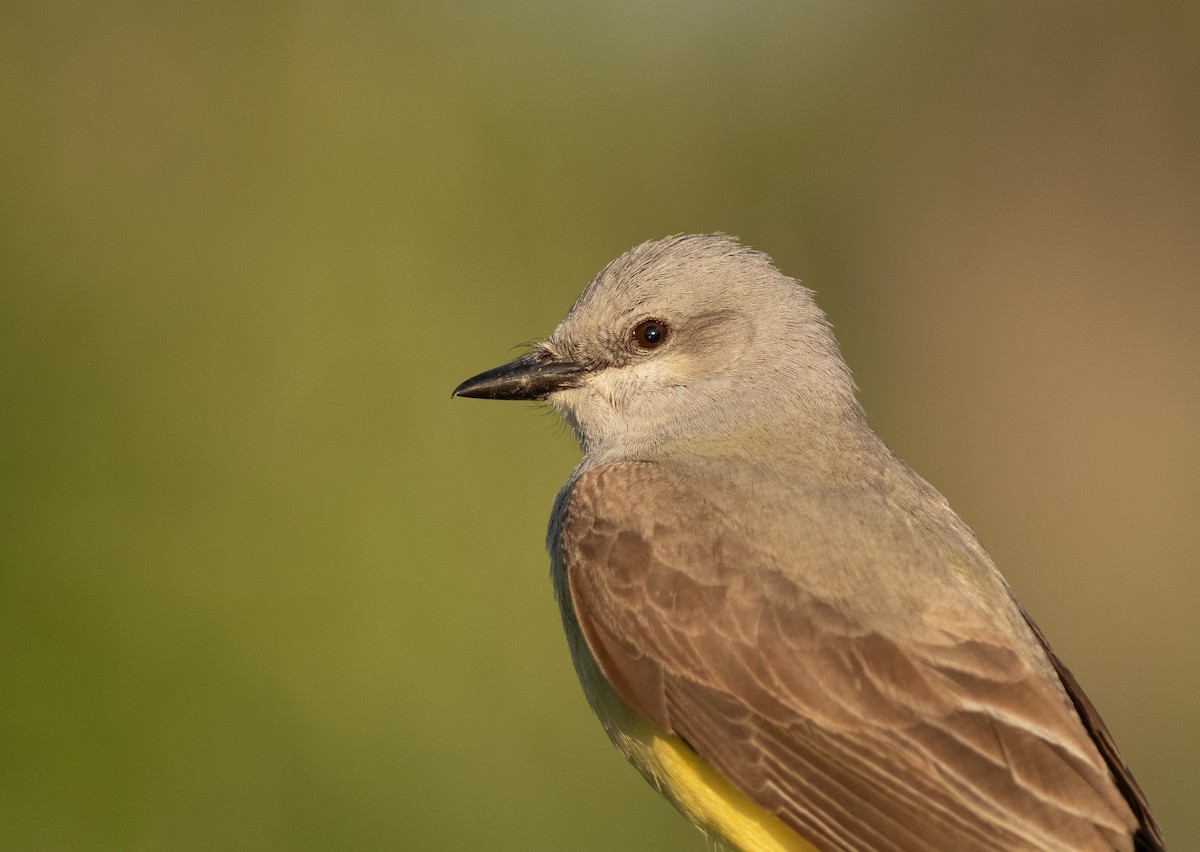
650	334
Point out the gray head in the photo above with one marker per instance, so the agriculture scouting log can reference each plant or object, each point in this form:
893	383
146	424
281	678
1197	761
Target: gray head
685	342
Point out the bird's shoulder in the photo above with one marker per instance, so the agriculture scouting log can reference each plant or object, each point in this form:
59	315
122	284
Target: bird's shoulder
877	545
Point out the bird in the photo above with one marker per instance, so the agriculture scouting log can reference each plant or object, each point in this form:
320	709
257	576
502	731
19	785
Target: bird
787	631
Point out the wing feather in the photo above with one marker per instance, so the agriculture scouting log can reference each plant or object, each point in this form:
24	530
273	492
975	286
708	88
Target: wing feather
861	725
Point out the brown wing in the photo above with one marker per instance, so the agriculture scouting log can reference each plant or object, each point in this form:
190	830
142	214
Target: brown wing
1148	837
862	725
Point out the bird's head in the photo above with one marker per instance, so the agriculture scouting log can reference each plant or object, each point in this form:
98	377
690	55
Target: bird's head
685	341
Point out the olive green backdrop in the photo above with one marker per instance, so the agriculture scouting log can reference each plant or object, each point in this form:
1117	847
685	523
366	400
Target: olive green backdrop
263	585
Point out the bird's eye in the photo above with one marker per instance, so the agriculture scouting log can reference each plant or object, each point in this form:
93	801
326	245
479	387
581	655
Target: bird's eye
650	334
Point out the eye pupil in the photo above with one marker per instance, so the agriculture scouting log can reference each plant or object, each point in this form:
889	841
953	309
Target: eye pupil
650	334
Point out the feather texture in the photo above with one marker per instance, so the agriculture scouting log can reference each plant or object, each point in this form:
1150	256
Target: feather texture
902	726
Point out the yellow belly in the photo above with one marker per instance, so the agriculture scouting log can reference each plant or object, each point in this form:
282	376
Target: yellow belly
712	803
689	782
730	819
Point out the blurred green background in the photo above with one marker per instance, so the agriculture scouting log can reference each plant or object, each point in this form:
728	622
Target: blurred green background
263	585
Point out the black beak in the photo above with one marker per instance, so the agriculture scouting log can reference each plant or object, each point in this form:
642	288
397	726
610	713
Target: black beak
535	376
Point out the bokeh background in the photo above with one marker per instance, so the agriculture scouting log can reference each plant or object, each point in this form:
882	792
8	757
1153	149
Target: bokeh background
263	585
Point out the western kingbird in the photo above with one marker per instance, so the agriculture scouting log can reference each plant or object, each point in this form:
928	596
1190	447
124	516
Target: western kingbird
787	631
